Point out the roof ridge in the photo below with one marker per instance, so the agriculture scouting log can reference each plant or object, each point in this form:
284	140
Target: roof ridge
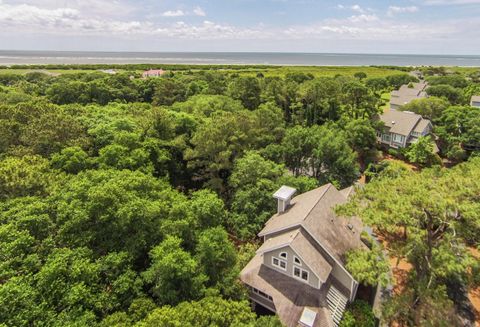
293	235
301	218
296	232
316	202
419	120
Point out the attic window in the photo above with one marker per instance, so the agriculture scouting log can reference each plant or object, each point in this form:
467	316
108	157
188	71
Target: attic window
297	261
283	255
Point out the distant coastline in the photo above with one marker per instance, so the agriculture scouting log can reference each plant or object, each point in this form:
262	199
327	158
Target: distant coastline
14	57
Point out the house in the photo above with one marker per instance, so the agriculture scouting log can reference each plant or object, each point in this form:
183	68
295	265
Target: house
402	128
108	71
407	93
299	271
475	101
153	73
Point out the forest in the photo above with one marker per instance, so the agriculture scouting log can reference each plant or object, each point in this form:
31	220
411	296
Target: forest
127	201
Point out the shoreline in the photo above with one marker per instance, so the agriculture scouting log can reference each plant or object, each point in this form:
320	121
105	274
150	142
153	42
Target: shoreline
43	65
15	57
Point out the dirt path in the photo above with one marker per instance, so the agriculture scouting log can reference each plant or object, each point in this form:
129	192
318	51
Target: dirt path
400	270
400	267
474	294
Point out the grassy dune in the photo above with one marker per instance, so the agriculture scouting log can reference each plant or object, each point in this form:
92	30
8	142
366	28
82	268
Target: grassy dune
317	71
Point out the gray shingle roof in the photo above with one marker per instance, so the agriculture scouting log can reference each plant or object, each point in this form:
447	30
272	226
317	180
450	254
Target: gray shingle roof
415	90
336	234
300	206
314	211
311	256
278	241
475	98
422	124
400	122
290	296
406	94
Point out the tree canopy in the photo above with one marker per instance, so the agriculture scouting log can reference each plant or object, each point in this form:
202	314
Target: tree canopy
131	201
430	217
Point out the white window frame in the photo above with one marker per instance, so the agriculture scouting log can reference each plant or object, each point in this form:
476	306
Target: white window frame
397	138
279	263
284	257
260	293
308	275
301	272
295	259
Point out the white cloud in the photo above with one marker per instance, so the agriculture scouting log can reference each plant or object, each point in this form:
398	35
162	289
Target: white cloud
199	12
24	19
357	8
32	19
98	8
372	28
173	13
362	18
392	10
25	14
451	2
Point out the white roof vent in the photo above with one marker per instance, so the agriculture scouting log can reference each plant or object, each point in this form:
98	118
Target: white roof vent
308	317
284	195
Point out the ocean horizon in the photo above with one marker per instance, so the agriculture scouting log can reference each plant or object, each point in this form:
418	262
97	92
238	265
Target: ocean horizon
19	57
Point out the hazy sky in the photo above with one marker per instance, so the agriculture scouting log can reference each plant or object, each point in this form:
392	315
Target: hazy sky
374	26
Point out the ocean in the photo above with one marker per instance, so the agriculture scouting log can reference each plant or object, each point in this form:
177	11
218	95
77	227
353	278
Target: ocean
8	57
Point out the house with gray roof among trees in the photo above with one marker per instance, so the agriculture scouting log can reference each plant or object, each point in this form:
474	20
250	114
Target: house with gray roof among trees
299	271
402	128
407	93
475	101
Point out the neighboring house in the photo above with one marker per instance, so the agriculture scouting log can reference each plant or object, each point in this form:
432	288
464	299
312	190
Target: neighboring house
299	271
406	94
153	73
402	128
475	101
108	71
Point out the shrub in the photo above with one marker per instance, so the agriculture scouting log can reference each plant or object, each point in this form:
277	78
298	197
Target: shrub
359	314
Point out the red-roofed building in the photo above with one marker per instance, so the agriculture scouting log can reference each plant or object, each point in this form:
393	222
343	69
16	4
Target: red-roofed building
153	73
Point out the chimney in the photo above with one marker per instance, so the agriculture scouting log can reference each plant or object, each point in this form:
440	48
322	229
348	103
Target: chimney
284	195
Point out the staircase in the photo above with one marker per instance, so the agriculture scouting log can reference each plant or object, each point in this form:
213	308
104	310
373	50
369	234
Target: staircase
336	304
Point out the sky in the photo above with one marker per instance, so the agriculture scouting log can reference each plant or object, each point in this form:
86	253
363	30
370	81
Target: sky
330	26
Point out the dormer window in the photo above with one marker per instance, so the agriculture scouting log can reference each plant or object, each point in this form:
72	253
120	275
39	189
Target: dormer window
279	263
300	273
297	261
283	255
